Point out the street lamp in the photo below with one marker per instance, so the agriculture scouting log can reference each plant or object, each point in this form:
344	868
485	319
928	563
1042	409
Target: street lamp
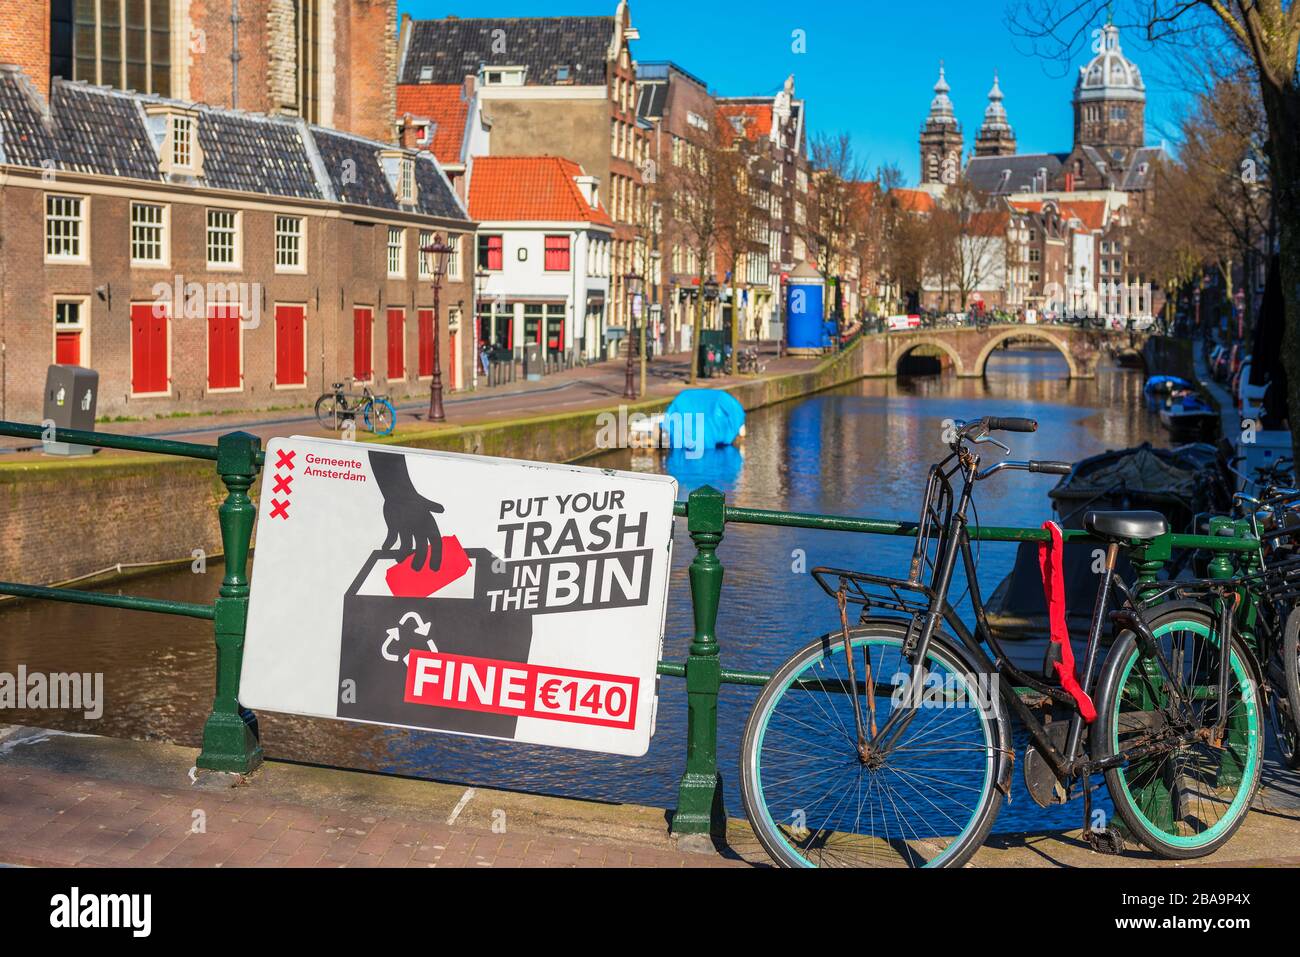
632	282
439	253
481	277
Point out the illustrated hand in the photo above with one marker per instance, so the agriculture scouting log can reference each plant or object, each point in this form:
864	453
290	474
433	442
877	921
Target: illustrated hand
412	528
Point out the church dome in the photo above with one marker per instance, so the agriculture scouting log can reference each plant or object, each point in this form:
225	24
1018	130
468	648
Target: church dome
941	106
1110	75
995	115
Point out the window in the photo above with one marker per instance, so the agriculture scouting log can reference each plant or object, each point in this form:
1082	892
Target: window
406	181
396	252
490	253
288	244
64	228
453	258
120	43
290	346
426	74
224	368
557	253
363	321
148	234
149	349
182	142
71	317
423	260
223	239
1035	255
396	330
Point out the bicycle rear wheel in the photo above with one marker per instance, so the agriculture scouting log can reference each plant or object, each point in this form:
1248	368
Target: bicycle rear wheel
381	417
929	800
1188	799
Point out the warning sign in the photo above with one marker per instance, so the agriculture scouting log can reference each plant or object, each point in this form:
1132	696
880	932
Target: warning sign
457	593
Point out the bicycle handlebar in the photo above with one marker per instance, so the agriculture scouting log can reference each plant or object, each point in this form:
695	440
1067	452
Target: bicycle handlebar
996	424
1051	468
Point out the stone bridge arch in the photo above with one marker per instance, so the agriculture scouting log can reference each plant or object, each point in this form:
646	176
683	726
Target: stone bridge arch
940	342
1082	363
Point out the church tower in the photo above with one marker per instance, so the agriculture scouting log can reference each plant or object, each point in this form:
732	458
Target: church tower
941	139
996	137
1110	101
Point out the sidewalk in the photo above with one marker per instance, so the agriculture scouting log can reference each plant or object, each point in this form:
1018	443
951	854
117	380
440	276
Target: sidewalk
592	386
78	800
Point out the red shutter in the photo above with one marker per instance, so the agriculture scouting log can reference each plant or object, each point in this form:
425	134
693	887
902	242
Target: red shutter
451	366
148	348
289	352
494	257
396	350
67	348
223	347
362	320
424	318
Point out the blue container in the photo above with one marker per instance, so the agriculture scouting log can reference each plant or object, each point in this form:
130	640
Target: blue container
805	311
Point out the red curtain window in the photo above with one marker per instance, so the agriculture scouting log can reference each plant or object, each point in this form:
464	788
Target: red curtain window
557	253
223	346
396	343
363	366
290	347
148	348
490	253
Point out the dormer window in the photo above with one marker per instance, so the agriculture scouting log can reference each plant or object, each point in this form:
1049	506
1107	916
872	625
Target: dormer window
562	74
399	168
426	74
174	132
504	76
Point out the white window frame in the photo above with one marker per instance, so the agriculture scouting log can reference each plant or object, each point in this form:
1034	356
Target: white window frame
181	139
82	228
82	326
400	271
301	236
164	234
236	232
454	258
423	260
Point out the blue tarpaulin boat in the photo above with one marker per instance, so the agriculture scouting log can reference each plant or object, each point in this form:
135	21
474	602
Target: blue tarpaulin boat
703	418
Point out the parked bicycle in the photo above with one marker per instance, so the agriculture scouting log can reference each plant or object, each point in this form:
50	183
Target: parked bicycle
336	408
749	362
889	743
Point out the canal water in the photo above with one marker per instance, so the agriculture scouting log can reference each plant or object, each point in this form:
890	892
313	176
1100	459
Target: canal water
860	450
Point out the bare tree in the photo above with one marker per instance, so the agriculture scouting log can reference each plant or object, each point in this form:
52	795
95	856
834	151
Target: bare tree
833	228
1266	34
968	233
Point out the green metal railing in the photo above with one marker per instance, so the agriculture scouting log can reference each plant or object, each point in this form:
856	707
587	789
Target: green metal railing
230	739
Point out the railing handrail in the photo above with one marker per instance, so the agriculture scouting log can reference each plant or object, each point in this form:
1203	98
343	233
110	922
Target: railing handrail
112	440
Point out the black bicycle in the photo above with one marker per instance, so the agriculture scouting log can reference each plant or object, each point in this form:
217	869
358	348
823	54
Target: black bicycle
888	742
337	407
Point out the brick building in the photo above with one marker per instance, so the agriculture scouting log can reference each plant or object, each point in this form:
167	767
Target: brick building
558	86
203	259
332	62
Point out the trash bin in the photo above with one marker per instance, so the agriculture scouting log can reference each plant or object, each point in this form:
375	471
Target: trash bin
533	367
71	395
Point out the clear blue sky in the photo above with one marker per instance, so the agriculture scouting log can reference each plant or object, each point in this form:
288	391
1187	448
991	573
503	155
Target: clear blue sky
869	68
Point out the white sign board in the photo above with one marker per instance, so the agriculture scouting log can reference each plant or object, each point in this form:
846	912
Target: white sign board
457	593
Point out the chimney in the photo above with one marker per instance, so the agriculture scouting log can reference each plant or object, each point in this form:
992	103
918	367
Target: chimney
589	187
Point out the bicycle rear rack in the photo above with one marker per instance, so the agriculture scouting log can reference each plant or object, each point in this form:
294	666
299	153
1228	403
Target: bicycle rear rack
874	591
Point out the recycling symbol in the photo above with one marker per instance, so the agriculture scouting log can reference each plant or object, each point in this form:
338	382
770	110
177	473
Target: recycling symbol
421	628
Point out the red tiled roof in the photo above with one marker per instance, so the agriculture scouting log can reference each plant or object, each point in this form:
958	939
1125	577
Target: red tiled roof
1092	213
446	106
530	189
914	200
757	119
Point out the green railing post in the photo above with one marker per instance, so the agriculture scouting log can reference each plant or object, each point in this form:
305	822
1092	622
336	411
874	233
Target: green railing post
699	796
230	740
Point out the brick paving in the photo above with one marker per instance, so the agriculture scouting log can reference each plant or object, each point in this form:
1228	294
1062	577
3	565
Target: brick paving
59	818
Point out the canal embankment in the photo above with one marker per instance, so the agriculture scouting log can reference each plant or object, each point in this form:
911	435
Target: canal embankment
95	519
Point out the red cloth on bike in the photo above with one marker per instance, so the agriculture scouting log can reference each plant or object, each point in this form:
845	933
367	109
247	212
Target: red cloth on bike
1051	564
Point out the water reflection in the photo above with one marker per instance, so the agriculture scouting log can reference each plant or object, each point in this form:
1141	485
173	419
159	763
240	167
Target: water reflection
861	450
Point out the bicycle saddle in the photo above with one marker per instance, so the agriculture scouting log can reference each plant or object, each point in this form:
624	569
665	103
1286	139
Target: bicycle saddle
338	385
1123	526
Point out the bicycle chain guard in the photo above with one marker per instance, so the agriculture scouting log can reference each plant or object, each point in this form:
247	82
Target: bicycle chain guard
1044	787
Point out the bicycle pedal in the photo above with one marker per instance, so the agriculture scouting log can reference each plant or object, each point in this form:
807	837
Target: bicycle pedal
1107	840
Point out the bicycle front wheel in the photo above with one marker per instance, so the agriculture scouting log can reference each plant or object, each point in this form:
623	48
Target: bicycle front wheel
330	411
928	799
1187	798
381	417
